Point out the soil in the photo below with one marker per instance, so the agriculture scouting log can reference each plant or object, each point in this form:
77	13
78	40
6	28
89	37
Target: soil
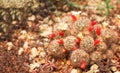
24	43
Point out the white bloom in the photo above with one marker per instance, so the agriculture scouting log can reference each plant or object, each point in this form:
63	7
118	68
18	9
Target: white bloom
75	12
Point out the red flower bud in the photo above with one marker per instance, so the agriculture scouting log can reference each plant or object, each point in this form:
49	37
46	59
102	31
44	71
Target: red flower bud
96	41
93	22
83	65
61	33
52	35
78	40
98	30
73	17
90	28
61	41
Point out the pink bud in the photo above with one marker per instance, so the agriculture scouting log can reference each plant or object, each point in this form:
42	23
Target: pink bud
98	31
73	17
90	28
61	41
61	33
96	41
83	65
93	22
52	35
78	40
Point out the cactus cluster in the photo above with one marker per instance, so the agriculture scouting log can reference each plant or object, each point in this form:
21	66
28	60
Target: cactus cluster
95	43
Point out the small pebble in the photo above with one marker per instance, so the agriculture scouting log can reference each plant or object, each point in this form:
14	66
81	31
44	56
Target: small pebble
42	54
45	30
50	22
94	67
46	20
45	42
20	51
25	45
34	52
93	71
113	68
33	66
75	71
31	18
57	19
23	32
9	44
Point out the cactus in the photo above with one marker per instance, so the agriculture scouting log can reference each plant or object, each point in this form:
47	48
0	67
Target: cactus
87	43
101	47
78	56
69	42
82	23
55	49
95	56
109	35
109	54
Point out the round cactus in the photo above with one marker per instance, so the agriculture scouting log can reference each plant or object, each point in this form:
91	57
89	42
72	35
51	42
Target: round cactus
72	30
115	48
109	54
55	49
82	23
87	43
69	42
102	47
109	36
78	56
95	56
66	19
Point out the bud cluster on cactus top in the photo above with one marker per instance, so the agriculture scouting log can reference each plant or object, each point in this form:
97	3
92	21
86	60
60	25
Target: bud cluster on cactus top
90	47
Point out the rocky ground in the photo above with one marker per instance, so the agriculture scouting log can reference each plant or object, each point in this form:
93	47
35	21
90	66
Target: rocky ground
63	37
